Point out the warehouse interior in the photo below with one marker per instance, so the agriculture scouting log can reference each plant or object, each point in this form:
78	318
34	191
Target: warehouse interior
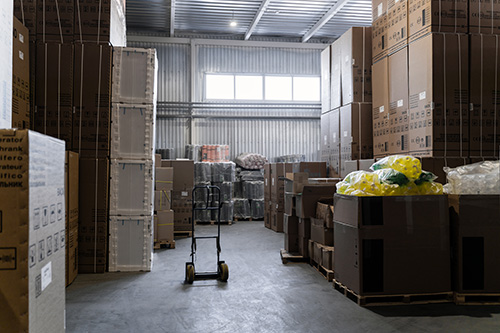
249	166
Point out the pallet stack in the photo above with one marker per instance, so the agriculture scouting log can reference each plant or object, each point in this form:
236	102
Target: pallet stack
249	194
164	216
132	164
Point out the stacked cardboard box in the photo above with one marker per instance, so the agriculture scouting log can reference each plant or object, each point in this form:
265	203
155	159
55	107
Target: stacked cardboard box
164	215
267	195
71	178
322	234
182	203
132	160
277	206
6	28
346	123
20	77
32	214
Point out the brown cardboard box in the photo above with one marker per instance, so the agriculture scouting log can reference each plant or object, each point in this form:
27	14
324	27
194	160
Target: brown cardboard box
291	224
325	143
436	16
325	78
319	233
484	17
304	247
475	226
290	203
91	127
356	65
164	228
55	20
93	215
182	221
437	85
381	108
484	74
356	127
184	173
317	254
267	218
20	77
162	200
327	257
304	228
157	160
336	76
334	161
404	252
28	11
277	221
397	27
72	176
71	254
313	169
436	165
267	182
324	211
379	30
55	122
306	202
398	102
291	243
164	178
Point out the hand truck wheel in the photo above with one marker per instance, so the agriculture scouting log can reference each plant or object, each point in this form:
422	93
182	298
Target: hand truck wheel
224	272
189	273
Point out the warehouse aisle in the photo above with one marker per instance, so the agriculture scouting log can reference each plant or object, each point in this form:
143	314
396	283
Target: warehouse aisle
262	295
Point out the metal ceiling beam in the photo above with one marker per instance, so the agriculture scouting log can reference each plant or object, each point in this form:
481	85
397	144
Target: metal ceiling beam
322	21
172	18
256	19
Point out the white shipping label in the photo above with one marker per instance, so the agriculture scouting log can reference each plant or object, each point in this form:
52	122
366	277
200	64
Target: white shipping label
345	133
46	275
421	96
272	182
184	194
21	55
325	139
400	103
379	10
266	182
21	38
346	59
381	109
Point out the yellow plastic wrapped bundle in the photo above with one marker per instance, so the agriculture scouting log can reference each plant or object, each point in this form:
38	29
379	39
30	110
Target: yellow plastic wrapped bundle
407	165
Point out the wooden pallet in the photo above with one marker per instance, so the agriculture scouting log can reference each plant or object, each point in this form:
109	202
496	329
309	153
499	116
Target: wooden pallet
169	244
286	257
213	222
249	219
476	299
398	299
182	234
327	273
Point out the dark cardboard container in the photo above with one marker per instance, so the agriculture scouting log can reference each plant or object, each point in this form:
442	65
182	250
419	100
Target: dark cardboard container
484	17
182	220
436	165
314	169
304	227
267	182
306	201
304	247
319	233
277	221
327	257
475	230
184	174
106	26
20	77
392	245
28	11
398	102
324	211
291	243
291	224
290	205
55	20
380	107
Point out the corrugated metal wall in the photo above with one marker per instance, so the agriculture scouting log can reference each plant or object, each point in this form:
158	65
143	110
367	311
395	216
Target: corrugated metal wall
272	130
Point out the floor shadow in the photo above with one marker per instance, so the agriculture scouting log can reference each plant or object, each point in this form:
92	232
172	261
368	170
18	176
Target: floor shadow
435	310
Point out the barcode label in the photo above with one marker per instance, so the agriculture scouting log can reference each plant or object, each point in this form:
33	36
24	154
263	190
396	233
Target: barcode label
422	95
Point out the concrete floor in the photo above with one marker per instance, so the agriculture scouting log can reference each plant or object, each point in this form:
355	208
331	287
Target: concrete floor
262	295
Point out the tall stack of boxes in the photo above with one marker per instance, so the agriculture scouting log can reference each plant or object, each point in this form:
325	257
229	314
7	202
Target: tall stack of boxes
132	165
71	179
346	122
277	207
321	242
164	215
20	76
6	40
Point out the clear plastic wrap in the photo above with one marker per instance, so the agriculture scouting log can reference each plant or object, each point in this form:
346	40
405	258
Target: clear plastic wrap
223	172
202	215
166	153
253	190
226	191
226	212
478	178
257	209
193	152
251	161
202	195
202	173
290	159
247	175
407	165
242	209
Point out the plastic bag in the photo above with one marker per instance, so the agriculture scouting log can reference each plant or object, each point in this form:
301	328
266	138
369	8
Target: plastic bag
391	176
407	165
477	178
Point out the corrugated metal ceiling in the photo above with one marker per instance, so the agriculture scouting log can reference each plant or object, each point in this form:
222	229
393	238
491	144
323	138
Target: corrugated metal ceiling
281	18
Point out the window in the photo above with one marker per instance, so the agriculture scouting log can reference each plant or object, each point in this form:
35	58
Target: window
249	87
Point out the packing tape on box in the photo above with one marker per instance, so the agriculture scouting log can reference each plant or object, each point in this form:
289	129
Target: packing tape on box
163	192
164	224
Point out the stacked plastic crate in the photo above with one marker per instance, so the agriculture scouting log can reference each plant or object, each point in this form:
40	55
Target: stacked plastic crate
132	159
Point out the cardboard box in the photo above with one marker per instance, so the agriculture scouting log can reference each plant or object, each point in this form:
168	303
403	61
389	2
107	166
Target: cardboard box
484	73
72	177
267	182
28	11
356	140
325	79
6	28
484	17
164	179
55	122
291	224
304	247
183	221
336	76
380	106
184	173
334	161
398	102
436	165
317	253
55	20
290	203
404	252
32	269
162	200
313	169
324	211
291	243
304	227
327	257
439	95
164	229
71	254
93	215
325	137
306	202
475	226
107	26
379	30
397	25
436	16
132	131
157	158
319	233
267	218
20	77
277	221
130	243
131	187
356	65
